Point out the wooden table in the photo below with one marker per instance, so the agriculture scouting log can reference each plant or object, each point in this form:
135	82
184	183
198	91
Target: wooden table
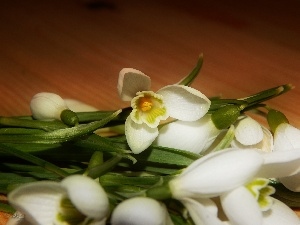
76	48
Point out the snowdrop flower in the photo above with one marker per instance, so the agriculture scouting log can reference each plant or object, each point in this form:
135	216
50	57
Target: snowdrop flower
50	106
221	174
250	134
194	136
77	199
216	173
140	210
149	108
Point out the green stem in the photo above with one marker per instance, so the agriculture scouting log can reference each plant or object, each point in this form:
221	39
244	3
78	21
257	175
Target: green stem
101	169
159	193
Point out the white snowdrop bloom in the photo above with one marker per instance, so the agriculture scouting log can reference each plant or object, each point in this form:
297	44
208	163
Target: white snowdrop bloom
76	199
149	108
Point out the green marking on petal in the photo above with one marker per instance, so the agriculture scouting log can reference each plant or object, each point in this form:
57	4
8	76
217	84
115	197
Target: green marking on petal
261	190
68	214
154	114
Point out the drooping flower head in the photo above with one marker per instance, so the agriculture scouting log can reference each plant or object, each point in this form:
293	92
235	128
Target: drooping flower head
76	199
149	108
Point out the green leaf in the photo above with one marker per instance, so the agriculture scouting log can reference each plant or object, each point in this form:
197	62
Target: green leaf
188	80
27	123
58	136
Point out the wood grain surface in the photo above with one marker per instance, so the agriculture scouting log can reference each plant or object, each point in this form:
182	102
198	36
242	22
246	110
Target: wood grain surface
77	48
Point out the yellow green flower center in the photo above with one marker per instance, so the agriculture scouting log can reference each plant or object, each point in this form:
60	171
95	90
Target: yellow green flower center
261	190
148	108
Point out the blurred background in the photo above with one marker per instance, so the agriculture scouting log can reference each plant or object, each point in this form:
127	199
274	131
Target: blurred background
77	48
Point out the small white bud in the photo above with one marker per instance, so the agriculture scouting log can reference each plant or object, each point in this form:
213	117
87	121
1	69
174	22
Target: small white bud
47	106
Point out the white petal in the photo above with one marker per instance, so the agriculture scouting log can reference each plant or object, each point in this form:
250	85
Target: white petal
77	106
139	136
39	201
280	214
139	210
194	136
87	196
286	137
280	163
132	81
184	103
292	182
248	131
216	173
241	207
202	211
47	106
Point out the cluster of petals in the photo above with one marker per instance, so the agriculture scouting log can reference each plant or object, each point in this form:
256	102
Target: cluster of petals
224	175
249	133
42	202
149	108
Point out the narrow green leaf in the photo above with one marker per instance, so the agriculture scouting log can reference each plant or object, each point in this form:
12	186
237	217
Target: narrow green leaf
37	124
188	80
58	136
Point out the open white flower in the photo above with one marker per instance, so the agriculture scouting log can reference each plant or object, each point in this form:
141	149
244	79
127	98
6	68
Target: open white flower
228	175
149	108
76	199
194	136
141	210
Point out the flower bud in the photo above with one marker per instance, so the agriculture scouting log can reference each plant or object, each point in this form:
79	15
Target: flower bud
225	116
50	106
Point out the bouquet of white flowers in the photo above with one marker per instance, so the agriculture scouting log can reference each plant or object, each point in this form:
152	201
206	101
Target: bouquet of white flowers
173	156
